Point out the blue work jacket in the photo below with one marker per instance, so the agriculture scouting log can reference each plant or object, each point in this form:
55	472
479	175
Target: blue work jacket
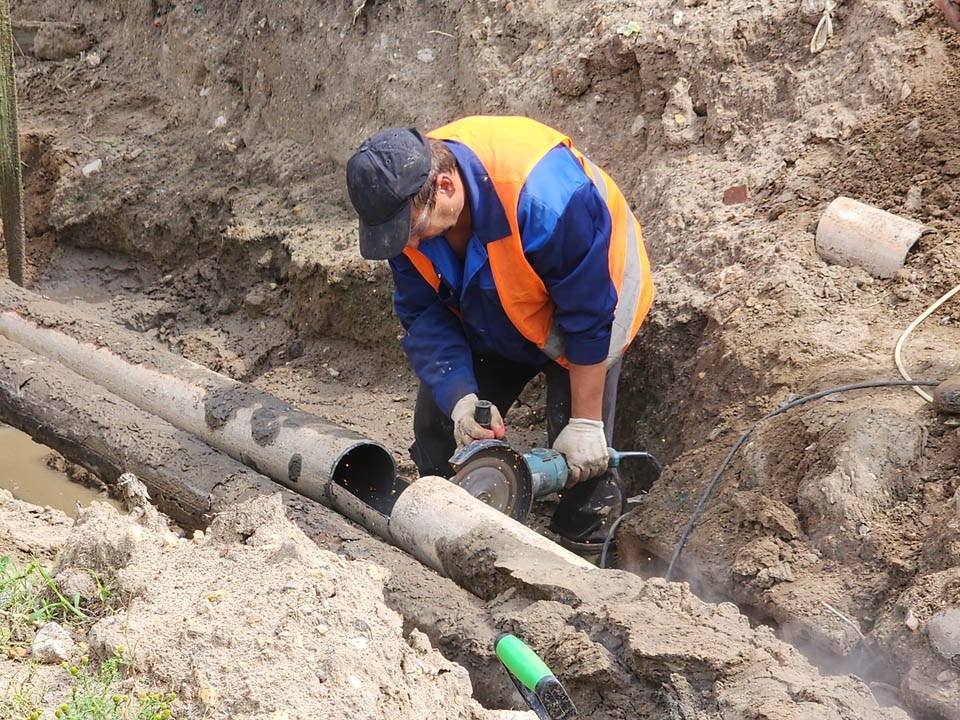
565	231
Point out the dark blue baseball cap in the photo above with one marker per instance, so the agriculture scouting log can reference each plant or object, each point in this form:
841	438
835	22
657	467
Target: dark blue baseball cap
383	177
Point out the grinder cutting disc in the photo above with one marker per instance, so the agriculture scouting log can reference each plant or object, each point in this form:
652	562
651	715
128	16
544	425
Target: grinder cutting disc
495	473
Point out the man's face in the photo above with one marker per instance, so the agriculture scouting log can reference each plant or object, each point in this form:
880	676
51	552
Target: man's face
430	221
420	224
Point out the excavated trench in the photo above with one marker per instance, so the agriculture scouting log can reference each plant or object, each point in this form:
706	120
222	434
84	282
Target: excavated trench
654	412
253	307
498	572
297	305
217	227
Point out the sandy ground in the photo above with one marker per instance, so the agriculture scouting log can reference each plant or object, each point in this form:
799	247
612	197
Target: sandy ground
218	225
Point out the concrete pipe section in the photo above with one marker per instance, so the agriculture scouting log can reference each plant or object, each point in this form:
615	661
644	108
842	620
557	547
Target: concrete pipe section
433	520
851	233
444	526
319	460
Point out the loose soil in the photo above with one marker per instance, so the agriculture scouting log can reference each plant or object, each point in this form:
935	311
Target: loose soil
218	225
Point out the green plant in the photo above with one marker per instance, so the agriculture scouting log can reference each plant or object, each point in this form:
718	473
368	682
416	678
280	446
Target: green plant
94	694
30	598
20	698
104	593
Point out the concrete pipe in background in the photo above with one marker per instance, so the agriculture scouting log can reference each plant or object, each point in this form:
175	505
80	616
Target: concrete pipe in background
851	233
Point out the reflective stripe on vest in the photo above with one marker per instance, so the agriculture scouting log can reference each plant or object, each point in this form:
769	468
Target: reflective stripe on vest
509	148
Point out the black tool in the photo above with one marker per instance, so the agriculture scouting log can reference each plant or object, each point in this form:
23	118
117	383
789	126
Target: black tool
509	481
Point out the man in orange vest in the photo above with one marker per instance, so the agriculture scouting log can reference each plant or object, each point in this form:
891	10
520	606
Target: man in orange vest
512	255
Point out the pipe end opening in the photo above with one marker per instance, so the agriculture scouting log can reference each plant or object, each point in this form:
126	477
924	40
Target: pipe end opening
369	473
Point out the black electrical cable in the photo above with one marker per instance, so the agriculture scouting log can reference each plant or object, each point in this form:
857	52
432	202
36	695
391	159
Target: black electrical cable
606	541
743	438
613	528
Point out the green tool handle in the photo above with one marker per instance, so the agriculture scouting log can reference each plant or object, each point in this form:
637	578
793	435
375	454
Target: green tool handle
520	660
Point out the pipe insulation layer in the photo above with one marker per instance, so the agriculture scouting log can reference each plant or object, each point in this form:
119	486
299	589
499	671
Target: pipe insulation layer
300	451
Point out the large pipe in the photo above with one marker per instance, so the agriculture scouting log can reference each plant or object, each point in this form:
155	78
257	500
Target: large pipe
433	520
448	529
322	461
110	436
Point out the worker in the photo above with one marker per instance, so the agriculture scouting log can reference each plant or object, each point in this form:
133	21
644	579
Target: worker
512	256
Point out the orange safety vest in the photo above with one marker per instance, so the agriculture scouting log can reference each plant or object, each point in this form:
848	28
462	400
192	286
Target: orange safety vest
509	148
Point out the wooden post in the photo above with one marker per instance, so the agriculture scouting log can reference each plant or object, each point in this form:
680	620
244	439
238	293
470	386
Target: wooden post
11	189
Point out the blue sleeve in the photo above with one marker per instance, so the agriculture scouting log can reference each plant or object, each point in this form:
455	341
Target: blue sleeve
566	226
434	340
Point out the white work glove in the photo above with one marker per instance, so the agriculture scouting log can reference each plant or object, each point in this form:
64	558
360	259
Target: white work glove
466	429
584	446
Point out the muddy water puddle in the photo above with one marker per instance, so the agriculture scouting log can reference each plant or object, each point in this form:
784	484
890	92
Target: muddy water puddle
24	472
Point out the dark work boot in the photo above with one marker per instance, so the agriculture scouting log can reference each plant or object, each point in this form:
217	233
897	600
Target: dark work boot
586	513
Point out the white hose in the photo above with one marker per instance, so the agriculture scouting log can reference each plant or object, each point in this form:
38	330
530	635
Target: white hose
910	328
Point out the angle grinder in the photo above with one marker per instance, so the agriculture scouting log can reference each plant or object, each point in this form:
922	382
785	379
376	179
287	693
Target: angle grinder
509	481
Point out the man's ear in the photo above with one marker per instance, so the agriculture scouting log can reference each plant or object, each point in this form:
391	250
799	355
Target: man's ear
445	184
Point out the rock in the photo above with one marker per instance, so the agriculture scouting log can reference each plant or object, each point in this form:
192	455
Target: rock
77	583
92	167
911	131
951	168
759	563
943	630
681	125
571	80
911	621
51	645
913	201
58	41
735	194
106	637
772	515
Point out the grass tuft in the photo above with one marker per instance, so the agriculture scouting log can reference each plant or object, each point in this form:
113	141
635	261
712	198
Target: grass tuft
29	599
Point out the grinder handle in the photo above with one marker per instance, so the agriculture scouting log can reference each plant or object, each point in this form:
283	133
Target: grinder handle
482	413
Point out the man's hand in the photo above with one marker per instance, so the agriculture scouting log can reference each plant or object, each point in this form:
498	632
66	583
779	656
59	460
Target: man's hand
584	445
466	429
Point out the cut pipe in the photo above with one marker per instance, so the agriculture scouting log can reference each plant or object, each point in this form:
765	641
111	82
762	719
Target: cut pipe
445	528
433	520
851	233
300	451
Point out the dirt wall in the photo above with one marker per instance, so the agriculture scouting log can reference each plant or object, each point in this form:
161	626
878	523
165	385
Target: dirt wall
222	128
